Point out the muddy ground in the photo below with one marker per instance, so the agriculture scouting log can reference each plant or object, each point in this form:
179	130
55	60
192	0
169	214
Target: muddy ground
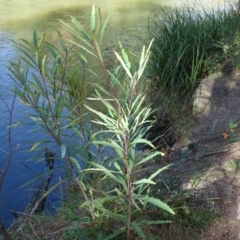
207	159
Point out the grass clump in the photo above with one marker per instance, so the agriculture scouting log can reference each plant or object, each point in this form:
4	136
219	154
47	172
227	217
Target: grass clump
190	43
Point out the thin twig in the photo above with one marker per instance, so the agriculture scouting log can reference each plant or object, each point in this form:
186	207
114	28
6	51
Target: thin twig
208	154
10	110
213	153
3	172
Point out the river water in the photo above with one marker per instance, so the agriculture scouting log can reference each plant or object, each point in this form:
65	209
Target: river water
18	18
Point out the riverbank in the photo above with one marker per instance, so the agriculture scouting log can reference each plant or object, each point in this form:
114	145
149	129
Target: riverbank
202	185
111	185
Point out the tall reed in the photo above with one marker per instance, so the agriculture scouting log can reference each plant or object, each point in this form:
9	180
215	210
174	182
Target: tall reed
190	42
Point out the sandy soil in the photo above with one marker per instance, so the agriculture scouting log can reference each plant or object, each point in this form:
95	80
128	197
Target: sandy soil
211	151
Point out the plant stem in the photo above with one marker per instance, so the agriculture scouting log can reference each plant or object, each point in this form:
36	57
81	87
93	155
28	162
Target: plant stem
4	231
81	187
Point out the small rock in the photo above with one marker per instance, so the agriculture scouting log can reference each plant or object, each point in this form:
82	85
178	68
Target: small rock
201	101
238	208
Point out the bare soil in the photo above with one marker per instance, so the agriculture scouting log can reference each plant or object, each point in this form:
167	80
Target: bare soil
207	159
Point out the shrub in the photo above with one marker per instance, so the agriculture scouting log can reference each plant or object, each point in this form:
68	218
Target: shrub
112	199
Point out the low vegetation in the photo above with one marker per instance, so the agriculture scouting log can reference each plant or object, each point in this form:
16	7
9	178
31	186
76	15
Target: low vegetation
99	119
190	42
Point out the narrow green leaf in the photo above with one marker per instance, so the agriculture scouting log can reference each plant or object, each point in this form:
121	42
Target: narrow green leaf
142	140
144	59
30	64
138	229
119	193
38	86
105	25
143	181
76	163
116	81
109	144
52	49
63	150
155	222
29	56
116	165
93	20
38	58
81	29
104	117
51	189
84	48
99	21
119	217
132	160
125	56
102	89
81	55
124	65
41	41
157	203
35	40
59	107
158	171
113	235
62	43
38	120
98	48
43	64
37	144
77	24
39	176
81	35
149	157
32	47
137	103
109	173
105	199
26	166
132	153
